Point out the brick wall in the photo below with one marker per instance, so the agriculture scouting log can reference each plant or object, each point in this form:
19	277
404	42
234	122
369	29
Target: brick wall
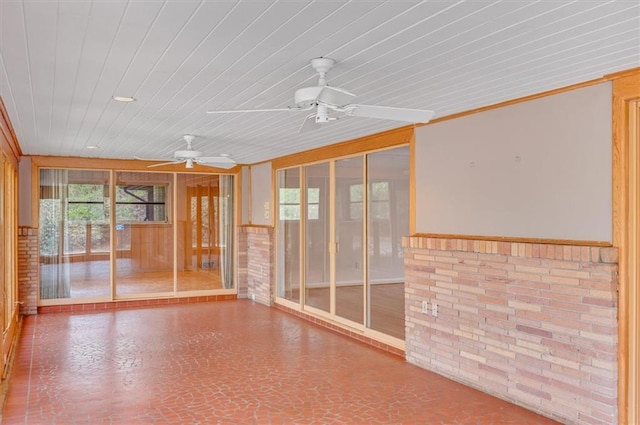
531	323
28	279
242	263
260	276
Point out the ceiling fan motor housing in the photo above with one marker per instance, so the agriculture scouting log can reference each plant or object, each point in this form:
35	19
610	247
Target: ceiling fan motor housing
306	96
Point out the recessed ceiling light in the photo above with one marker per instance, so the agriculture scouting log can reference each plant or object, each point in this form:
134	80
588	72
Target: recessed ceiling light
123	98
93	147
224	154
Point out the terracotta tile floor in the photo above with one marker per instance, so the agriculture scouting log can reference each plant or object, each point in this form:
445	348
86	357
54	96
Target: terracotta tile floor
231	362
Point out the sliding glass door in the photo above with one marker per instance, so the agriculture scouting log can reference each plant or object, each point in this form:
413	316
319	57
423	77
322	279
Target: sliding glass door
387	223
75	234
289	255
108	235
349	217
144	233
352	213
317	237
205	232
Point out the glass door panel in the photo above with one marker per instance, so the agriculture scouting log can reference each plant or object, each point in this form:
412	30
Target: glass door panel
387	223
349	216
74	234
144	254
317	237
198	215
288	273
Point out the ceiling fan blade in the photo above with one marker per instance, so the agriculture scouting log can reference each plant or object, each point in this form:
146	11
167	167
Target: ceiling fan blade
216	161
309	124
334	96
166	163
149	159
224	165
240	111
389	113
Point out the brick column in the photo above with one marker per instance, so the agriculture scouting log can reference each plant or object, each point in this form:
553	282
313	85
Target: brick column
242	262
260	271
28	277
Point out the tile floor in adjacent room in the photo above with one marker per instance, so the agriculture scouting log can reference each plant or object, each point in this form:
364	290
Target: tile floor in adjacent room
229	362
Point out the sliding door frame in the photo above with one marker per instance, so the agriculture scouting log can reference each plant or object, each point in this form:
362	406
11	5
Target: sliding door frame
114	166
406	135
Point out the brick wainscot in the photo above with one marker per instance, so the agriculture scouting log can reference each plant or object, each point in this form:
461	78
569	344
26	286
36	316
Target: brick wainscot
535	324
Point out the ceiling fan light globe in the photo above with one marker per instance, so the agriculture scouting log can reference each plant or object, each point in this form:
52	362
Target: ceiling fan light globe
189	163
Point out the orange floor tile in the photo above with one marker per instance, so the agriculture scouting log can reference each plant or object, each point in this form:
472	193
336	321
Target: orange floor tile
229	362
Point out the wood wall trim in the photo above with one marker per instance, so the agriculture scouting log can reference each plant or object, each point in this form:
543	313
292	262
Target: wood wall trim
626	91
249	196
35	196
515	101
123	164
412	184
386	139
631	260
513	239
8	140
256	226
621	74
238	204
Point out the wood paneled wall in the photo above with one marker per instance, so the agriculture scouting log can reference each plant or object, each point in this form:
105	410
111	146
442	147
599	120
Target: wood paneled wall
9	157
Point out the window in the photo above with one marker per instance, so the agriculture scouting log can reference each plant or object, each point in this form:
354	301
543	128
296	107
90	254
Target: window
87	216
355	201
141	203
87	202
379	201
290	203
313	203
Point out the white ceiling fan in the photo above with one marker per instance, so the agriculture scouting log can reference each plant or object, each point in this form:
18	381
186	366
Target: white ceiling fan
191	156
327	100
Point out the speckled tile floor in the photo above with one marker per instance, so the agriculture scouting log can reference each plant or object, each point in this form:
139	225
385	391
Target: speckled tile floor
231	362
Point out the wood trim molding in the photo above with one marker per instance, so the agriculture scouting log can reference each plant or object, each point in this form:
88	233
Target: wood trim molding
239	205
633	274
123	164
256	226
8	140
249	195
513	239
626	73
35	196
609	77
412	184
518	100
386	139
626	93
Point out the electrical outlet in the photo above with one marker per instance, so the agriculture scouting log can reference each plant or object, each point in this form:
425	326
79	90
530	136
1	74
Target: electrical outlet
425	307
434	309
266	210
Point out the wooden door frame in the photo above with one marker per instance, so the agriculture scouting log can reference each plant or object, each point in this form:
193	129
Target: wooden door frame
626	222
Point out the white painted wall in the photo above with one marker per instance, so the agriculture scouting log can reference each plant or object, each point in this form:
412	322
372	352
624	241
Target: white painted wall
539	169
244	195
24	192
261	208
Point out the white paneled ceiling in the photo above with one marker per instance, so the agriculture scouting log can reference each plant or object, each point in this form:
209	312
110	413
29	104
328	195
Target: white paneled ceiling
62	61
